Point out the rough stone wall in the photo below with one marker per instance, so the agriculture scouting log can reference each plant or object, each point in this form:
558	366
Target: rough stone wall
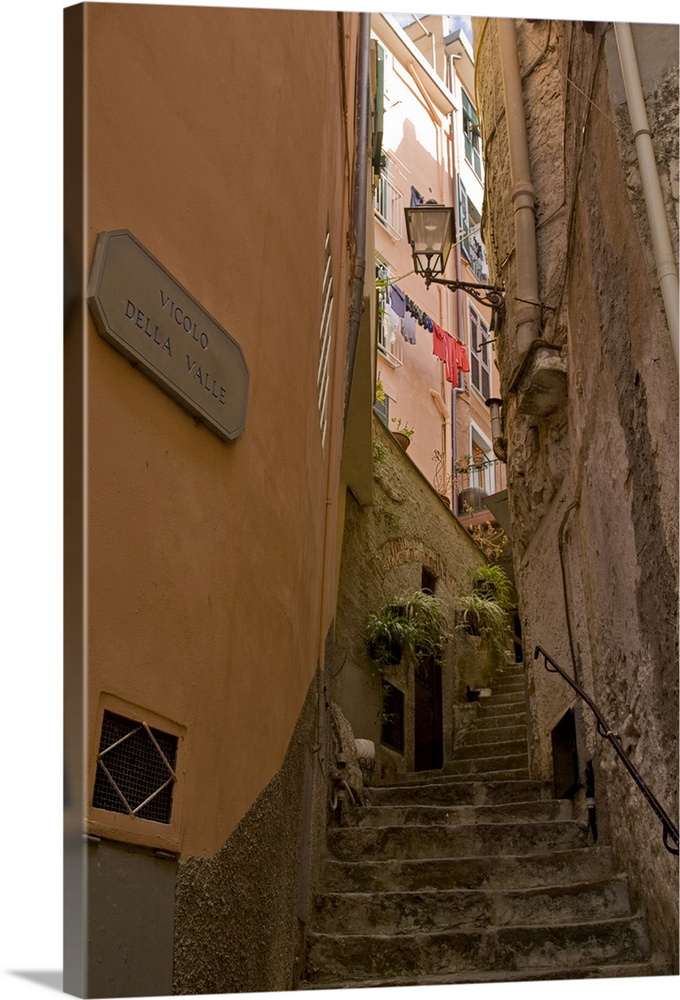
593	485
240	915
385	548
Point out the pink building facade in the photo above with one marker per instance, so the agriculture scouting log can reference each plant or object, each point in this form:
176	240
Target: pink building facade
431	150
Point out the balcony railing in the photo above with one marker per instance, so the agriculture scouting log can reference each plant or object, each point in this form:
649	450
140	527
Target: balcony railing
476	481
388	206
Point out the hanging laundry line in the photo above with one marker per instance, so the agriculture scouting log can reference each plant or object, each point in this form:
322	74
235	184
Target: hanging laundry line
407	315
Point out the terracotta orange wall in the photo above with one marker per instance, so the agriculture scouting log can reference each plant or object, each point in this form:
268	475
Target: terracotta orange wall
209	136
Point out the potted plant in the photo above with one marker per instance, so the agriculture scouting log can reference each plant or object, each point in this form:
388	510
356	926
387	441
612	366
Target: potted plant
483	614
387	635
493	583
413	627
402	432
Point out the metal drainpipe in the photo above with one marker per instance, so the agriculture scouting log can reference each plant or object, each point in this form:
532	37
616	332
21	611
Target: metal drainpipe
454	447
666	269
528	310
361	144
459	294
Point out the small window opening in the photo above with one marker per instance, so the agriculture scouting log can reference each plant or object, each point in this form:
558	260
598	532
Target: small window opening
392	733
428	581
565	758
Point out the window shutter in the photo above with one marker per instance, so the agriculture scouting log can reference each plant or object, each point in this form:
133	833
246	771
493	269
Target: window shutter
486	383
464	218
474	357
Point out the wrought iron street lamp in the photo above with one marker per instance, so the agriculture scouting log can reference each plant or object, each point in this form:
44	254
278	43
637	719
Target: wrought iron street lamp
430	230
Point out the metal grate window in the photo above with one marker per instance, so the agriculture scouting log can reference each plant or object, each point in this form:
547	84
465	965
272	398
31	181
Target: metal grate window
325	334
392	734
135	769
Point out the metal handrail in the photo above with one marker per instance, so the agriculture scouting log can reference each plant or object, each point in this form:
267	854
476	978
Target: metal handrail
669	828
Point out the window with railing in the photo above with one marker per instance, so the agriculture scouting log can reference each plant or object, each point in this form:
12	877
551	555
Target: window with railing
389	325
388	202
476	477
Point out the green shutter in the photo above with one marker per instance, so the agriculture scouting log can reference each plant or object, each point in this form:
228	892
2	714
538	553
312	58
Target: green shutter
378	106
469	111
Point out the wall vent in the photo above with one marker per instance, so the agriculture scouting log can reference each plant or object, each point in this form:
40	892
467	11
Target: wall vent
325	338
135	769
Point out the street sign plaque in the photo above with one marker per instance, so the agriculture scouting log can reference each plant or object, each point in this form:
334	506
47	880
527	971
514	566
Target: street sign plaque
144	312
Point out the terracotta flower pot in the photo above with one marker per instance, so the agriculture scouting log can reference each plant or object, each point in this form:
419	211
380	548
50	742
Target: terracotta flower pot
403	440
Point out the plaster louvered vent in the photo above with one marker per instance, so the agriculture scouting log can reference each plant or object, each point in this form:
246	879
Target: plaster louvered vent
135	769
325	337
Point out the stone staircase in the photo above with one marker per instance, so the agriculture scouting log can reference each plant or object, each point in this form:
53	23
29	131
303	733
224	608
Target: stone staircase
474	873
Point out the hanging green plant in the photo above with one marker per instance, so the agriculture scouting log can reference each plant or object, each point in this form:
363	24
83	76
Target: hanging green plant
484	612
494	584
413	627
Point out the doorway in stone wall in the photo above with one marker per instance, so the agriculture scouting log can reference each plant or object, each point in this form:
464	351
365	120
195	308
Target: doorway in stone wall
429	743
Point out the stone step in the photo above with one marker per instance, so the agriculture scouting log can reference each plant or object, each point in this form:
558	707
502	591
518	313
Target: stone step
466	909
486	765
552	973
444	790
507	682
516	699
511	669
495	710
420	815
336	958
491	733
501	748
510	774
468	840
528	870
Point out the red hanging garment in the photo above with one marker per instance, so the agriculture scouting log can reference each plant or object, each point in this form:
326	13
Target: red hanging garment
439	342
462	357
451	360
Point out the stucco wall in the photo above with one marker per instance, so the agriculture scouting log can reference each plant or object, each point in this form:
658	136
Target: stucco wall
602	468
205	557
385	548
223	140
240	915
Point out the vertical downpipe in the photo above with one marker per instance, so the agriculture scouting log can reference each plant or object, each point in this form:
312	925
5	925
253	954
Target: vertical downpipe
459	294
666	268
528	308
358	232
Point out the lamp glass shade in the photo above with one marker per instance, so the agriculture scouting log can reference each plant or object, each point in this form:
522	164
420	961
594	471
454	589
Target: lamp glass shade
429	228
